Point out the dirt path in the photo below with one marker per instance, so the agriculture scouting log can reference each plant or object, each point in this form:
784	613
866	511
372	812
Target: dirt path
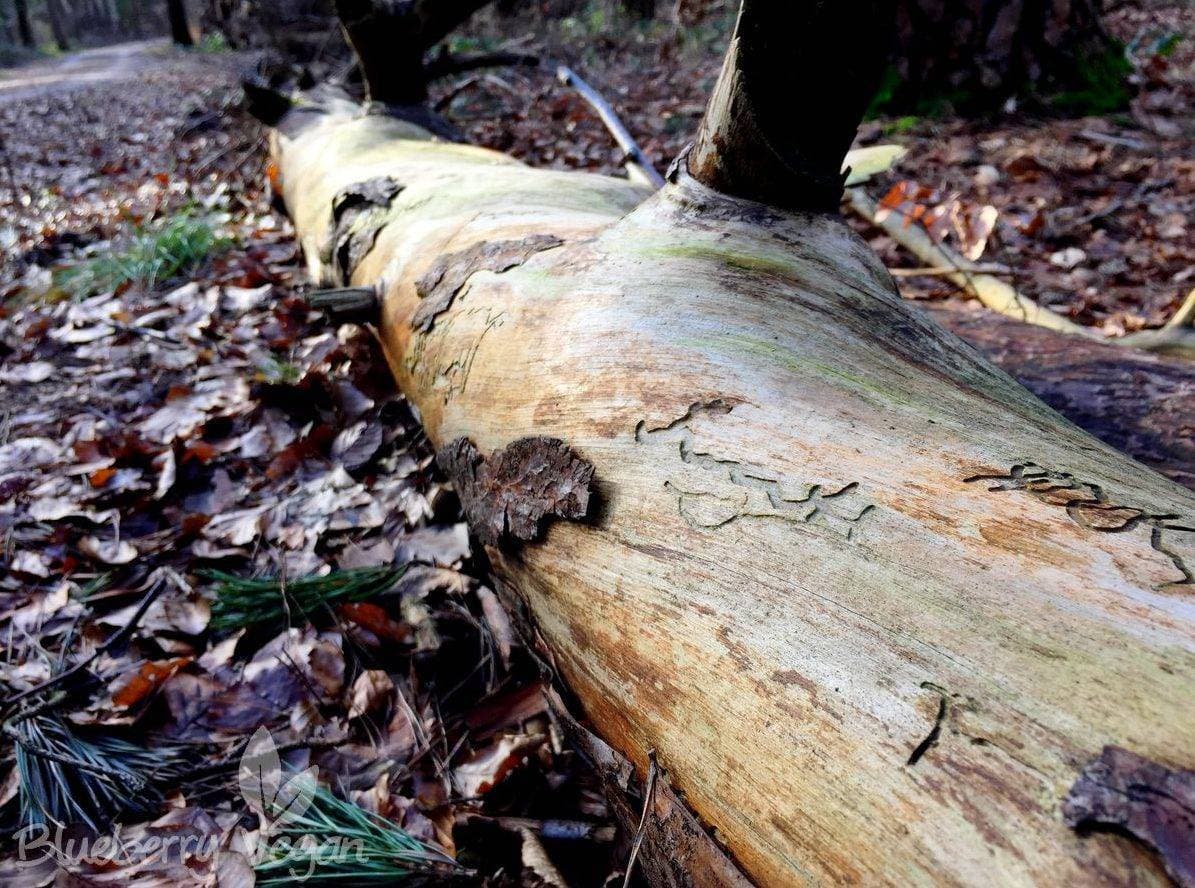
84	68
95	142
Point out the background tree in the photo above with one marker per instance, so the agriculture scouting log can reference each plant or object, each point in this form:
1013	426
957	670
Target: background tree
976	54
180	27
56	13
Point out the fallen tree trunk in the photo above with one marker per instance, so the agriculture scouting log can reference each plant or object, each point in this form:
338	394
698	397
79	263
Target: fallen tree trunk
873	605
1140	403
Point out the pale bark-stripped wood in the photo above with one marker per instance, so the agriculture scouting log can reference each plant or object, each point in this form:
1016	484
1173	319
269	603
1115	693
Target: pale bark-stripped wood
727	366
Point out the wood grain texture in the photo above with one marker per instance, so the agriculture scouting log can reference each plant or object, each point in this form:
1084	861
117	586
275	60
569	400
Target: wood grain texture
873	604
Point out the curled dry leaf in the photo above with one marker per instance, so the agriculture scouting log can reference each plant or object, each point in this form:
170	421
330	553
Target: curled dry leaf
108	551
356	445
370	692
488	768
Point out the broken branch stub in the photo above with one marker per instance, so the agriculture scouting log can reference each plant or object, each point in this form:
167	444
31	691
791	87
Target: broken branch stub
509	495
789	100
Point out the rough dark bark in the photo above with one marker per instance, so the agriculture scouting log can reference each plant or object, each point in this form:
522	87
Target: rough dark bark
180	28
978	53
755	141
390	38
24	28
1140	403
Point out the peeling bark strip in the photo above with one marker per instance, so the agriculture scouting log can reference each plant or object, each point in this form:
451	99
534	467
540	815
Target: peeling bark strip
1153	803
357	216
508	495
444	280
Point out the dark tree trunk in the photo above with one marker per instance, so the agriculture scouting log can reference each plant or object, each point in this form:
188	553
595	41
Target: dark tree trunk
180	28
644	9
57	17
390	40
976	54
24	28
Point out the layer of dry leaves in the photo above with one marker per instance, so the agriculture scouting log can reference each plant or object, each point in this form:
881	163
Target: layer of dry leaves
217	423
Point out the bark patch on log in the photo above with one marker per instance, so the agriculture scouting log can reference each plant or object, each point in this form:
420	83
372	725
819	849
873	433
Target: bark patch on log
511	494
1089	506
358	214
444	280
1149	801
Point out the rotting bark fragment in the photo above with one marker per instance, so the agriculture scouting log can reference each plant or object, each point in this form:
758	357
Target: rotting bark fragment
444	280
508	495
1149	801
358	213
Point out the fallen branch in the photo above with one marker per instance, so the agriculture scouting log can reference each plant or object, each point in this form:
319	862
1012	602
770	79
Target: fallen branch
991	291
639	168
445	65
1176	339
822	530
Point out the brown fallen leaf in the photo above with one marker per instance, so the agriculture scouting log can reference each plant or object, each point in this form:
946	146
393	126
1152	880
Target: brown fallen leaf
488	768
369	692
376	620
138	686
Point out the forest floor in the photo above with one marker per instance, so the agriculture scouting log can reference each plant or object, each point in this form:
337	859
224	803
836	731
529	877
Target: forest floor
174	419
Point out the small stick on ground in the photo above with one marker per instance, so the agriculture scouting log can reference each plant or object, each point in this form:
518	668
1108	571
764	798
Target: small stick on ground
639	168
648	795
992	292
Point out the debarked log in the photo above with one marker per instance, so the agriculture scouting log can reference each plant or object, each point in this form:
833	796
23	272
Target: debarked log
873	605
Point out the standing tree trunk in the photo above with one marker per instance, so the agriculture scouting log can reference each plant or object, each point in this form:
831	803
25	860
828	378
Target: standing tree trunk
644	9
390	40
871	605
180	26
975	54
57	15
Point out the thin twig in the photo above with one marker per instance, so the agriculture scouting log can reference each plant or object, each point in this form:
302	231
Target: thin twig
1185	316
649	793
946	271
634	159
